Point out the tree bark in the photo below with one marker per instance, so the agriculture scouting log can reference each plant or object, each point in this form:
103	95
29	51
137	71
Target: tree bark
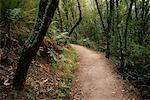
65	5
60	19
78	22
136	10
144	20
72	14
100	15
120	37
127	24
109	26
31	46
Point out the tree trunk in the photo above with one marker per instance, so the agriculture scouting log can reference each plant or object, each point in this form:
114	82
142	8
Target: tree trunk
144	20
65	5
31	46
109	26
72	14
60	19
100	15
78	22
127	24
107	31
136	10
120	37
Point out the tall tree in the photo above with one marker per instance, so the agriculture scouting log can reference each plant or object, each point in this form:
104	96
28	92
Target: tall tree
31	46
107	29
144	18
72	11
119	33
109	25
65	5
127	24
60	19
136	10
100	15
78	22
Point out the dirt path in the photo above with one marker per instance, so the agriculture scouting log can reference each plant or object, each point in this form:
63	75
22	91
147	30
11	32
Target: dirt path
95	78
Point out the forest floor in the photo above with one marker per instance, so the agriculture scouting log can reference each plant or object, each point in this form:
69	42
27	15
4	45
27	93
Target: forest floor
96	78
44	82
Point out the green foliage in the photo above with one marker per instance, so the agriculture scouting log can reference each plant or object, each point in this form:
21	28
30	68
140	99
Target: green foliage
20	15
29	5
5	5
136	57
67	63
29	92
55	47
15	14
61	38
138	50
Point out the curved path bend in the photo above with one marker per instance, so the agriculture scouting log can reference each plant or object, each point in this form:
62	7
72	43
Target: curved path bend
96	79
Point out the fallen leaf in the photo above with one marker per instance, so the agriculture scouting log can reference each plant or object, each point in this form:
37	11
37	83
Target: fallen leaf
41	83
6	82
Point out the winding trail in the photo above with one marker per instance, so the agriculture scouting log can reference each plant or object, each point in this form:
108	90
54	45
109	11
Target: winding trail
96	79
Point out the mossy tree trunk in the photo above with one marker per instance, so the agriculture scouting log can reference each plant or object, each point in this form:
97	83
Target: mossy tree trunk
31	46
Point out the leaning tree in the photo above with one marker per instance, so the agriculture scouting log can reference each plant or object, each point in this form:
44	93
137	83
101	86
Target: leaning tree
45	14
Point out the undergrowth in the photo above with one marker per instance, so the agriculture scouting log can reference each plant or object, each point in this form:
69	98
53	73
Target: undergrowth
52	83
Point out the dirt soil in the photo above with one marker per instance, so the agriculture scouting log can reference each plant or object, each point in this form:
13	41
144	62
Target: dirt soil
96	79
